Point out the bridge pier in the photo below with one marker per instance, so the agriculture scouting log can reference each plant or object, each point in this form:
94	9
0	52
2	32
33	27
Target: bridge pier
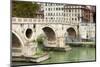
58	45
60	42
30	49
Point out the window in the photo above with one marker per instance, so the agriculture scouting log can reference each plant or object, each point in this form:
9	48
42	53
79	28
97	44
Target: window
56	8
75	18
54	14
51	17
62	14
78	18
51	4
59	14
34	26
62	8
48	9
46	4
75	15
59	4
46	17
59	8
48	14
72	18
75	10
51	9
69	10
78	15
51	14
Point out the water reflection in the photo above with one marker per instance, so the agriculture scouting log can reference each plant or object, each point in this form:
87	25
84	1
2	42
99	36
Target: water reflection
76	54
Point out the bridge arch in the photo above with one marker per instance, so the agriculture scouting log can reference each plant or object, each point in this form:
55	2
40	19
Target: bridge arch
70	35
71	32
50	33
17	44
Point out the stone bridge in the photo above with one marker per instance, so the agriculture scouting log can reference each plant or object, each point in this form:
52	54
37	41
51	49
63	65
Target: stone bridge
25	30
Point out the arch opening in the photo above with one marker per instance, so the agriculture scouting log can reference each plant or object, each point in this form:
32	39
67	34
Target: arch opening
49	33
71	36
16	44
71	32
28	33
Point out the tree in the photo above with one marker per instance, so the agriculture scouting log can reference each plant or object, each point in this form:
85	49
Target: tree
24	9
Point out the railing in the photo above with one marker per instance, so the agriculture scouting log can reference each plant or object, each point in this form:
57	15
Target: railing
15	19
35	20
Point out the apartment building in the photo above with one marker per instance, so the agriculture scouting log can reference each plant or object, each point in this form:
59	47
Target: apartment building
54	11
78	13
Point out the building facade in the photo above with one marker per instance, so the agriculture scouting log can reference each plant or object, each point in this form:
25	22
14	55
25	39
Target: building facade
54	11
78	15
88	31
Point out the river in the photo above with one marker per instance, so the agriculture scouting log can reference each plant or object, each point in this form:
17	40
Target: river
77	54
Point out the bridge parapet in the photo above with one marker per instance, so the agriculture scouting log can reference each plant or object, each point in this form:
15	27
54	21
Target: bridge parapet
35	20
26	20
32	20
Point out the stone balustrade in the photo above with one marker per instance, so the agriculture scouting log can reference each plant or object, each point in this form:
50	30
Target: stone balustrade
31	20
35	20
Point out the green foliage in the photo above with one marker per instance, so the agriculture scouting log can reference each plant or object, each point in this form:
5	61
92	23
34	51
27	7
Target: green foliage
34	41
39	52
40	39
24	9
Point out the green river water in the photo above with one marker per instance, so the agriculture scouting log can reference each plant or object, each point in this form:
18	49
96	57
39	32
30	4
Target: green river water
77	54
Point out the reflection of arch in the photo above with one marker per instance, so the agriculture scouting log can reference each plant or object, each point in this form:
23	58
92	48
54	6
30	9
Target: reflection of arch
49	33
71	32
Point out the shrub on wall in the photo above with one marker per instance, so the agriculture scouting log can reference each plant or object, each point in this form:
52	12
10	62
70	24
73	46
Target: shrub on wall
41	38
